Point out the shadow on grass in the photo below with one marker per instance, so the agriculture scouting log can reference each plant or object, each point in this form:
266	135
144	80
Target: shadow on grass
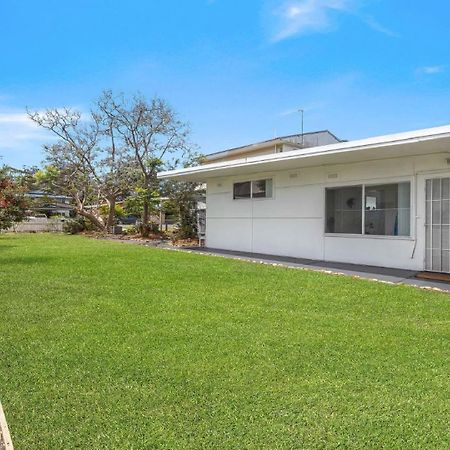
6	246
24	260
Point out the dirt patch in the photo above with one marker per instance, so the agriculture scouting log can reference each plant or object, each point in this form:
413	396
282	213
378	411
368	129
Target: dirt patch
152	241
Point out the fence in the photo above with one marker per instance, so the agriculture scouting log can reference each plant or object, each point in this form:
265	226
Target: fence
38	225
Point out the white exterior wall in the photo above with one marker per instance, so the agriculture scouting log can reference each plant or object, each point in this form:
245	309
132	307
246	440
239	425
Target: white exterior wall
292	223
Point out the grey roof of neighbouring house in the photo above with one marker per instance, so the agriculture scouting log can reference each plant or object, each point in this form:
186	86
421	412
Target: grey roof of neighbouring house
305	140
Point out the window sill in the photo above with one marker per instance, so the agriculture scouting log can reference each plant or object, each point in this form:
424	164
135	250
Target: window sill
369	236
255	199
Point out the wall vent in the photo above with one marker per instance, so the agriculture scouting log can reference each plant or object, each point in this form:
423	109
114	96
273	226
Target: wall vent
293	175
332	176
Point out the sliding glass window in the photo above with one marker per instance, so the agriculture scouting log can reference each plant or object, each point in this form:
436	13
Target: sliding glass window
388	209
385	209
344	210
253	189
242	190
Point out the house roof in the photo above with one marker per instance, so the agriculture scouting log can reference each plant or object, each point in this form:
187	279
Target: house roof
411	143
267	143
38	194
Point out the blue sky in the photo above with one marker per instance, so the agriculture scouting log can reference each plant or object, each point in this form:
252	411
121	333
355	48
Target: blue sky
235	70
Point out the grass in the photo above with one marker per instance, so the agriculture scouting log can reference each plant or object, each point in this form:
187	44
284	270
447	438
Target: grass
105	345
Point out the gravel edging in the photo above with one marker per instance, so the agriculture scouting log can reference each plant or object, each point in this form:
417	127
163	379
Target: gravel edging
256	259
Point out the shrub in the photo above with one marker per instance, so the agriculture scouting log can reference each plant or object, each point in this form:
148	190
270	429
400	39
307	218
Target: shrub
130	230
77	225
151	228
104	211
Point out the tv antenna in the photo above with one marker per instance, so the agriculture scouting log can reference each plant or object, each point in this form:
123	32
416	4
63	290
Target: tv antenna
302	112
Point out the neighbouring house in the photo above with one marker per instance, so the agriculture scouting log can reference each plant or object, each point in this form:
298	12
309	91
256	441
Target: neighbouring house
47	204
381	201
276	145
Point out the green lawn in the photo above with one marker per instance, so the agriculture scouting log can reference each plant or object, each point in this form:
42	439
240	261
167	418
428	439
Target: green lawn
105	345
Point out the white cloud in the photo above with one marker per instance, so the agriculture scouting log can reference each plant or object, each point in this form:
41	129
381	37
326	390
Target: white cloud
296	17
18	132
431	70
21	140
377	26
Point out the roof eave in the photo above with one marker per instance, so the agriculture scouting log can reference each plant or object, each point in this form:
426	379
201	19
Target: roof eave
331	149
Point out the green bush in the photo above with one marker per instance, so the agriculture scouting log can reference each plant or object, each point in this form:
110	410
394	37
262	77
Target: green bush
104	211
152	228
130	230
77	225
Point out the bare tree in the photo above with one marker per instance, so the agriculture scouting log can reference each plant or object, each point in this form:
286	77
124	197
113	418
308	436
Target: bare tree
92	169
117	167
152	134
72	160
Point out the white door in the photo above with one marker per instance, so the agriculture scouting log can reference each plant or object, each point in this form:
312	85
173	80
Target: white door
437	225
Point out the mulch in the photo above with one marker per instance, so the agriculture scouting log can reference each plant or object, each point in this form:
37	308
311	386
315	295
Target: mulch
152	241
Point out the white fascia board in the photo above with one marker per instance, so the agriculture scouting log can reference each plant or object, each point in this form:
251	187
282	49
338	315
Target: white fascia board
341	147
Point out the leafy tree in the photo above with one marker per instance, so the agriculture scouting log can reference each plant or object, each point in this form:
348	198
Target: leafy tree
68	177
105	212
13	204
134	204
184	198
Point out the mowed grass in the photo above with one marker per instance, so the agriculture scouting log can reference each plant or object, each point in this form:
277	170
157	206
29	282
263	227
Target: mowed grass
106	345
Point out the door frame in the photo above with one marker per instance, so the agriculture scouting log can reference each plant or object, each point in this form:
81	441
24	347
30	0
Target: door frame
421	196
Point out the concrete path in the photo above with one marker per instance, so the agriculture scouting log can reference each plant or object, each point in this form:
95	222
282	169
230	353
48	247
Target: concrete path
383	274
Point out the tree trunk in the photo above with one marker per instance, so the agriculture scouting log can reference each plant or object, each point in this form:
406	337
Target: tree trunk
111	213
95	220
146	212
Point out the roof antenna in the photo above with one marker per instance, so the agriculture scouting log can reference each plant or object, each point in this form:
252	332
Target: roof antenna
302	112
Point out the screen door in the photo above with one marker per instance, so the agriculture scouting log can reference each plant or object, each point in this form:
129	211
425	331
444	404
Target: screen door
437	225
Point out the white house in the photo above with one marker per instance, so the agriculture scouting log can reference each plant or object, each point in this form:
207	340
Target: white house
382	201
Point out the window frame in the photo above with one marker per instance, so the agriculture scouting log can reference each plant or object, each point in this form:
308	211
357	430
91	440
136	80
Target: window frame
344	186
363	185
242	198
251	181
